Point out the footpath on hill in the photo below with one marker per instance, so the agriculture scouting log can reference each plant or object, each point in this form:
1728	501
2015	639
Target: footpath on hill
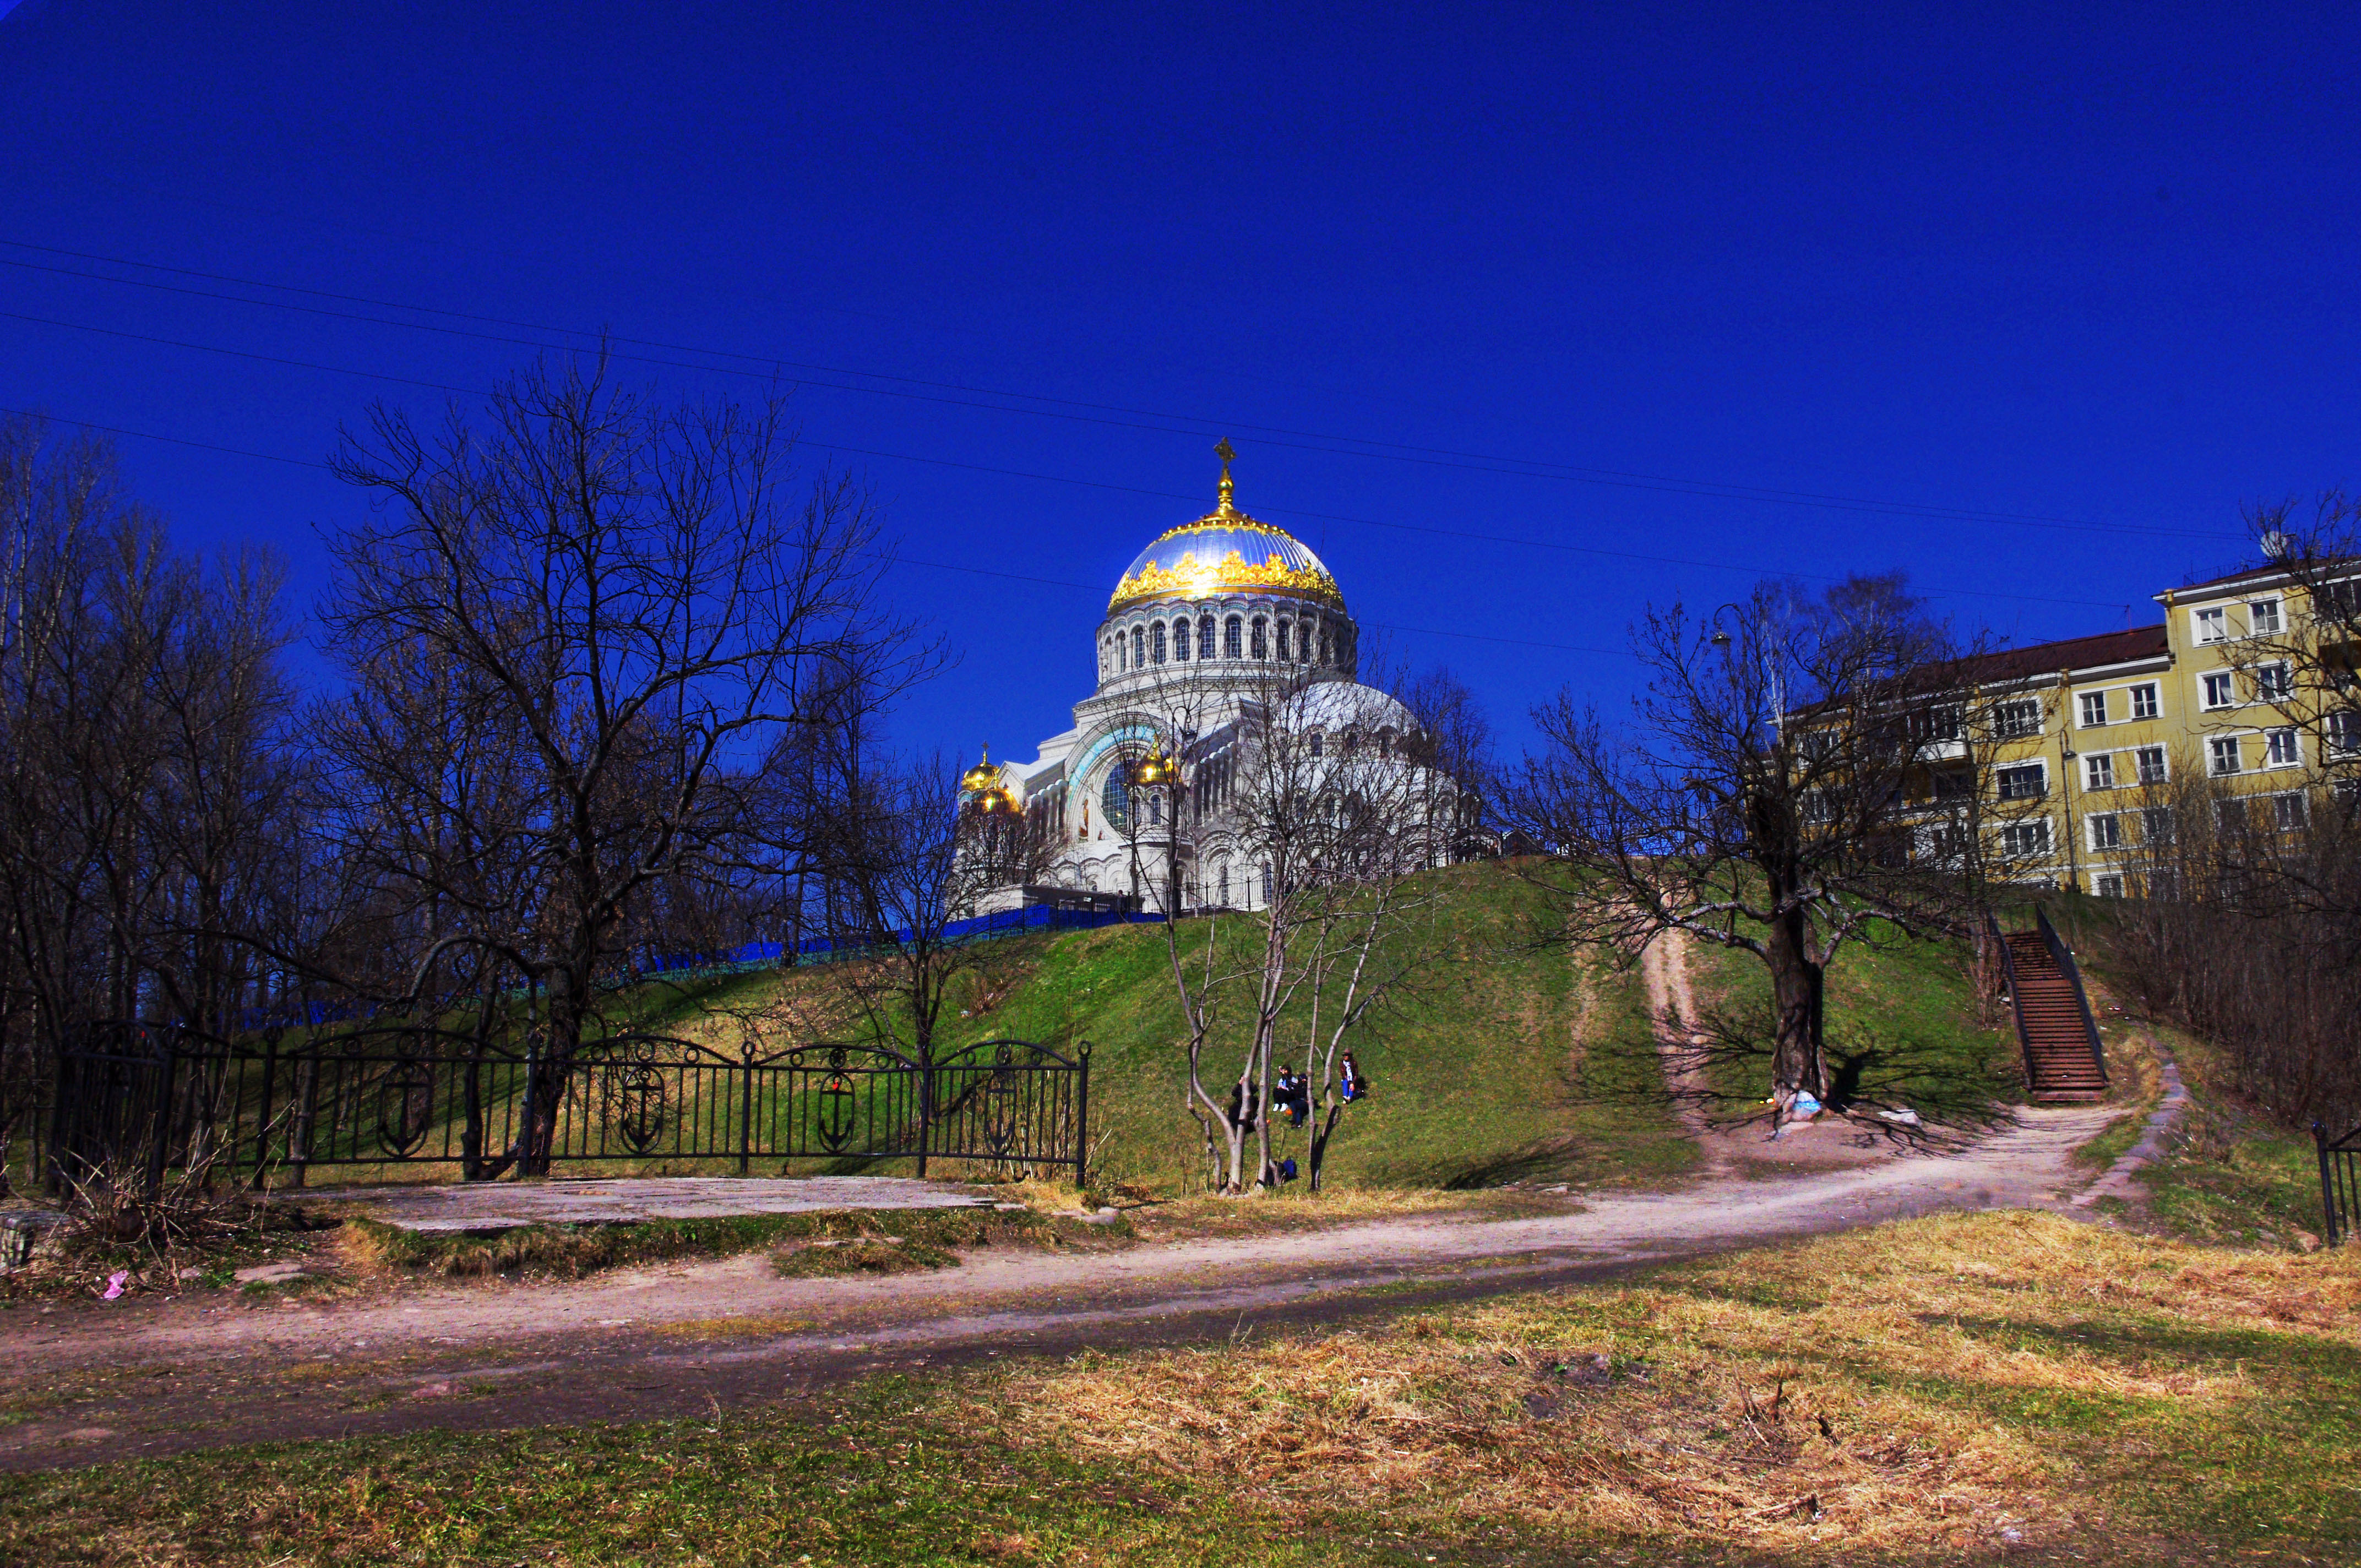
147	1377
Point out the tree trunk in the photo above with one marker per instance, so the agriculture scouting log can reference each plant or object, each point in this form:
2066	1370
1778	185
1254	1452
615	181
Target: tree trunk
1799	1057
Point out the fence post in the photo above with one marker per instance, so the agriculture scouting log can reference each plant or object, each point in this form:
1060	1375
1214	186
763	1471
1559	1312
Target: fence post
925	1107
746	1111
2327	1182
1082	1116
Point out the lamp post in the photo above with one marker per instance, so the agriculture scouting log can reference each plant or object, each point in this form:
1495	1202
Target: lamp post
1778	683
1159	769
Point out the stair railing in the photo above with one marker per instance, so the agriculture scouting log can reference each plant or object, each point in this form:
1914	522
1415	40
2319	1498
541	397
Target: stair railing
2016	997
2064	958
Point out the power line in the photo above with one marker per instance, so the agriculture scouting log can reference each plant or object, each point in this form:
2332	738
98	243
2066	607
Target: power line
897	559
1053	478
1342	445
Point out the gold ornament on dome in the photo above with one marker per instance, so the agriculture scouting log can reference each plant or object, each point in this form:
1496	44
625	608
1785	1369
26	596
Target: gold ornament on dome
1188	577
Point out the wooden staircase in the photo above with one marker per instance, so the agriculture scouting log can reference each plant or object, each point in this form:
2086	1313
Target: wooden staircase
2063	1058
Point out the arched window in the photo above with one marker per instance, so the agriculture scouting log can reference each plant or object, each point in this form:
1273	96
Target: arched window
1180	640
1222	882
1157	652
1119	665
1138	648
1205	638
1231	630
1155	810
1266	885
1323	647
1283	642
1316	742
1115	799
1261	639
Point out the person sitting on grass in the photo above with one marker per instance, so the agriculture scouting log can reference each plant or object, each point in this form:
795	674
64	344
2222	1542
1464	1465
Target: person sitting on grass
1294	1096
1355	1087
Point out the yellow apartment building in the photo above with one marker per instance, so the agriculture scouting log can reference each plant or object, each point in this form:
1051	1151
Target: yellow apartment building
2077	732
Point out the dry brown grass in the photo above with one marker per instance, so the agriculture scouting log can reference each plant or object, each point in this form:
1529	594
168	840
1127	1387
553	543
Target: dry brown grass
1786	1402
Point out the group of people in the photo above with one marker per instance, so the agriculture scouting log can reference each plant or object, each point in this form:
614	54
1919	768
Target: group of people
1291	1093
1290	1096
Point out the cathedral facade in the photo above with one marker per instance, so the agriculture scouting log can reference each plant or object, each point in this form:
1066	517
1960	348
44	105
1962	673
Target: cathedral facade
1222	629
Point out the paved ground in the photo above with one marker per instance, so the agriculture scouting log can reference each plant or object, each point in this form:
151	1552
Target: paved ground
500	1205
148	1376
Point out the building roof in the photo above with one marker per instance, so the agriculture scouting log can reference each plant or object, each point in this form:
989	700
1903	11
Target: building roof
2072	653
2244	575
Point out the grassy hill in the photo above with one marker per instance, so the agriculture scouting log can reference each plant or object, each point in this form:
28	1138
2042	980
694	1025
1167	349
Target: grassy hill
1503	1062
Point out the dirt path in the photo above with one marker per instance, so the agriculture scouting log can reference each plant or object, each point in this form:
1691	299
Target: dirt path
147	1377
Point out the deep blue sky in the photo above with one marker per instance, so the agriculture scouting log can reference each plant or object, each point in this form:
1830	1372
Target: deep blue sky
2093	264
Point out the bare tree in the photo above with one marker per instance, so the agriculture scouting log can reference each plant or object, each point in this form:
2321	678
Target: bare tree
620	606
906	859
1325	808
1761	799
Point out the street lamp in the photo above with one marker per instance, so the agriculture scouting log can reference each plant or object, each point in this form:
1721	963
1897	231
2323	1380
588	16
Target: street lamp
1778	683
1160	770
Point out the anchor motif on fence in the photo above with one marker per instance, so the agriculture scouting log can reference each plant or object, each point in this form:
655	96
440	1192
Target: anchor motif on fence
405	1106
637	1094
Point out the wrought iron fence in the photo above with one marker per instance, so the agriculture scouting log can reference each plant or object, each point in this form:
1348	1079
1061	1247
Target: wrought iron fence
2339	1181
147	1099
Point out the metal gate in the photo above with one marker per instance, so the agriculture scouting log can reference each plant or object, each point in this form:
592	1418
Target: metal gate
2340	1180
141	1100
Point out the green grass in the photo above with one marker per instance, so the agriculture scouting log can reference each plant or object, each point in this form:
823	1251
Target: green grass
1900	1025
1481	1074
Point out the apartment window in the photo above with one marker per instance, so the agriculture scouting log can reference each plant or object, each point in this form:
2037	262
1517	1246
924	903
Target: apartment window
2222	754
1156	650
2221	691
2028	781
2288	813
1939	723
2015	720
2108	886
2143	704
2263	617
2026	840
2337	601
1817	807
2151	765
2098	772
2274	683
2343	732
2213	625
2094	709
2279	749
2230	816
2156	825
1815	744
2106	831
1234	632
1954	784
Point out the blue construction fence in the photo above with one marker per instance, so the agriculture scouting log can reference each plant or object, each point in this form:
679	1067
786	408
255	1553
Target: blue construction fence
763	955
820	950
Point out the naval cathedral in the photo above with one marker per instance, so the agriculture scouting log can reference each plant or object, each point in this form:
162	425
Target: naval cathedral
1225	634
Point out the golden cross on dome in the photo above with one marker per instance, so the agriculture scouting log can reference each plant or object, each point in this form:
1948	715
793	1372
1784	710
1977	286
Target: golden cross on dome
1223	450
